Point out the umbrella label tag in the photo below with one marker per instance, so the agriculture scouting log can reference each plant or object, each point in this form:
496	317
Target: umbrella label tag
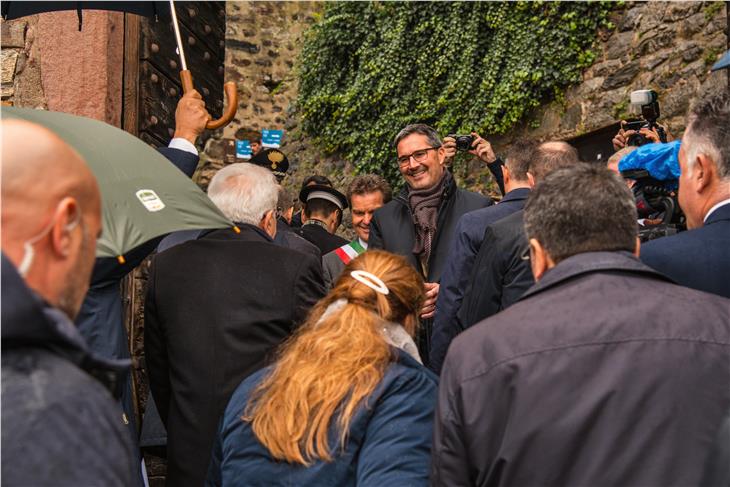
150	200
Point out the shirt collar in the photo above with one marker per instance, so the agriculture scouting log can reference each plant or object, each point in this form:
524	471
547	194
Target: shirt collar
718	205
363	243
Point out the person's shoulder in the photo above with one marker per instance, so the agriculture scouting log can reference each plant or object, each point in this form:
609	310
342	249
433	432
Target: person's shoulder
474	198
405	376
241	395
391	207
53	384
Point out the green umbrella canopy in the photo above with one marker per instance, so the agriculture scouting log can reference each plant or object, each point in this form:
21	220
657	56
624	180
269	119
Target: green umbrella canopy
143	194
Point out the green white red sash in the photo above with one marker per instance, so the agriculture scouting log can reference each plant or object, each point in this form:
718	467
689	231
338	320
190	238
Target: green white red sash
349	251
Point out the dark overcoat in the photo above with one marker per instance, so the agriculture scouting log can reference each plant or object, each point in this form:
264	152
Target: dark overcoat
216	309
392	228
500	275
604	373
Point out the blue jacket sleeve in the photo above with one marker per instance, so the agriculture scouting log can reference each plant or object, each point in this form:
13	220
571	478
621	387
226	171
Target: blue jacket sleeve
187	162
453	281
397	446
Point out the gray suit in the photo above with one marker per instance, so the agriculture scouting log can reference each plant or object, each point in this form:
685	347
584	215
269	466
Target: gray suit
332	267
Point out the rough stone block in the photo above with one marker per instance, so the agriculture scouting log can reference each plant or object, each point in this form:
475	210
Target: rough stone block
619	45
681	10
9	59
13	33
693	24
622	76
649	63
655	42
605	68
631	19
690	51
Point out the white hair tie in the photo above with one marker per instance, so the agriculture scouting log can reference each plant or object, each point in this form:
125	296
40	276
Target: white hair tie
370	280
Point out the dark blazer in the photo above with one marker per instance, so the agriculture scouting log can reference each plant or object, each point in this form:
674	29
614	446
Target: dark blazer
60	424
500	274
286	237
604	373
698	258
319	236
388	442
392	229
469	235
216	309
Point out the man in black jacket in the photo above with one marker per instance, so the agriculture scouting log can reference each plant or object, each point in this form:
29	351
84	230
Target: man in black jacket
419	222
60	424
604	373
321	216
216	309
500	275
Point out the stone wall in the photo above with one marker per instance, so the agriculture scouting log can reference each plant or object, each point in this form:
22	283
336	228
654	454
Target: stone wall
48	63
665	46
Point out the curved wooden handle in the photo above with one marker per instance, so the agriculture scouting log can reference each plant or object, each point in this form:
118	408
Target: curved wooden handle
231	91
232	105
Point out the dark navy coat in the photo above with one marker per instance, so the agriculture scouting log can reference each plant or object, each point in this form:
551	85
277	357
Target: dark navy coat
60	424
698	258
389	442
468	240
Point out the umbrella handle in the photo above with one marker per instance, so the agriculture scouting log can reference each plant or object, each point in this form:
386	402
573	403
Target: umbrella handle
186	77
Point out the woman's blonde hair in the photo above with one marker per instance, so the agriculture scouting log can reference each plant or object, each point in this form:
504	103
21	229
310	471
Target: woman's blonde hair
328	367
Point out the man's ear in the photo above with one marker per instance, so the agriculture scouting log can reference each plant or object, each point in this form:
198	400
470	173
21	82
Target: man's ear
268	223
506	174
540	260
530	179
702	172
68	216
441	153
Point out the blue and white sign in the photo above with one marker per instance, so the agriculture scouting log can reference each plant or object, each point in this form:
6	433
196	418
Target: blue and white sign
243	149
271	139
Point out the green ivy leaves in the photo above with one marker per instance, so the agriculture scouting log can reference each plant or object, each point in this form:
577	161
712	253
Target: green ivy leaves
367	69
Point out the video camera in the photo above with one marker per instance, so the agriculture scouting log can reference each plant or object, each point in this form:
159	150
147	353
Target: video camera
654	171
646	104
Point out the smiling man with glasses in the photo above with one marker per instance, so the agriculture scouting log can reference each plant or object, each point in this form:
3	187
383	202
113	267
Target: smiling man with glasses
420	221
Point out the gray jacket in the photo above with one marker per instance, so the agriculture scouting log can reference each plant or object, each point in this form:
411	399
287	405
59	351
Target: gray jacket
604	373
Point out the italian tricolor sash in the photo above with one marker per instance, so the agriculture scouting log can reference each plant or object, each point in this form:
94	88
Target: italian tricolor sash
349	251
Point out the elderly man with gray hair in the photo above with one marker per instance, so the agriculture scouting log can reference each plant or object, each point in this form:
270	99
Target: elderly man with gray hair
216	309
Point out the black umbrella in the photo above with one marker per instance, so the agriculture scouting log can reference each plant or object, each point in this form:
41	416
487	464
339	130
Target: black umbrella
15	10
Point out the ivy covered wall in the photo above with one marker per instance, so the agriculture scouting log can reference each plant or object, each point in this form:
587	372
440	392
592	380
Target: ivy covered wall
367	69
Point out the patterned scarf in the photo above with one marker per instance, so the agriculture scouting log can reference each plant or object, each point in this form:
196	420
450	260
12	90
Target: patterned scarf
424	205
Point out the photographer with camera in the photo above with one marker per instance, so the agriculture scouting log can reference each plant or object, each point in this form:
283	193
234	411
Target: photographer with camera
476	145
646	130
698	258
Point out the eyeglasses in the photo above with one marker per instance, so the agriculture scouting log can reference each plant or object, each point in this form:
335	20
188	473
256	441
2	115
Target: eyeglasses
418	156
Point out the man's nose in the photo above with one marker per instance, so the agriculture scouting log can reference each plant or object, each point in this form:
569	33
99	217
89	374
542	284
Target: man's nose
367	218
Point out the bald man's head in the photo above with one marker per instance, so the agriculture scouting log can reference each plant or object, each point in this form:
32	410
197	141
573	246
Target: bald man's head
51	213
550	156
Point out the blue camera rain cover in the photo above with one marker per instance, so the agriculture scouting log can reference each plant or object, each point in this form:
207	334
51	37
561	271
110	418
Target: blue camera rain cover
660	160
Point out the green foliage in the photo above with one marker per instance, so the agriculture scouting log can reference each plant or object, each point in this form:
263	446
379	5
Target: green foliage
367	69
713	9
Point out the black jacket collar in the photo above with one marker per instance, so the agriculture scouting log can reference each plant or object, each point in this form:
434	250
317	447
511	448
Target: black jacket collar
247	232
516	195
590	262
30	322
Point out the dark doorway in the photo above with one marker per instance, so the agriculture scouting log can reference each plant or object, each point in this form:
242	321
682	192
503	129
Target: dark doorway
596	146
